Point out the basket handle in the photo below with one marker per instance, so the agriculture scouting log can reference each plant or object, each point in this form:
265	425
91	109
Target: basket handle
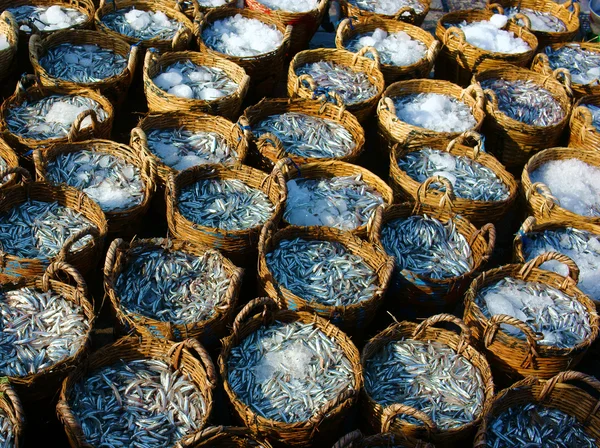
386	103
149	168
339	33
465	332
541	64
541	189
265	233
396	409
75	131
252	308
463	139
15	404
527	225
201	355
564	377
66	249
350	439
454	32
526	22
319	416
496	8
583	113
312	85
433	51
35	44
138	137
111	256
182	39
572	275
488	230
26	82
493	326
448	196
563	76
19	170
285	165
270	139
363	51
490	96
11	21
411	16
244	124
476	92
134	51
60	266
374	224
39	164
570	4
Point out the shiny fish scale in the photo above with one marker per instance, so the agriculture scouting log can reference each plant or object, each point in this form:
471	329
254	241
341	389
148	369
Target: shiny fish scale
428	376
225	204
526	101
308	136
28	120
300	367
581	246
534	426
595	110
28	14
172	286
470	179
584	65
322	271
564	323
112	182
426	246
116	21
548	22
206	78
344	202
139	403
82	63
180	148
353	86
7	434
379	7
38	330
36	229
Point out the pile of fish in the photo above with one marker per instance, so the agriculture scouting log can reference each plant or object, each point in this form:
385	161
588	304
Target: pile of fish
526	101
388	7
426	246
532	425
345	202
397	48
82	63
227	204
428	376
308	136
38	330
287	371
584	65
46	18
540	20
354	87
434	111
188	80
322	271
489	35
36	229
137	403
172	286
7	431
51	117
112	182
595	110
561	319
180	148
143	25
470	179
581	246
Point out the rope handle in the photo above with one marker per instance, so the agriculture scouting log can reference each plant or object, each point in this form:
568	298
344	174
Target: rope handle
491	97
396	409
448	196
76	128
175	353
433	51
496	8
464	138
66	249
18	170
251	309
118	244
493	326
318	417
182	39
406	14
487	230
572	275
55	268
362	53
454	32
138	139
526	22
549	199
568	376
563	76
476	92
386	103
465	332
150	170
269	139
541	64
308	79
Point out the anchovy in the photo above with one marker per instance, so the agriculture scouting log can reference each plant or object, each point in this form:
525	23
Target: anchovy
540	20
7	431
28	16
288	371
584	65
165	30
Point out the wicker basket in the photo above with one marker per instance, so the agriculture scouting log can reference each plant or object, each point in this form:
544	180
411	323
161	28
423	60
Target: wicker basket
188	7
25	146
405	14
305	87
115	88
11	159
188	357
269	149
356	439
554	393
194	122
458	60
46	383
513	142
348	318
327	420
333	168
9	28
84	259
305	24
392	73
121	221
208	331
160	101
392	131
419	295
182	39
583	133
478	212
11	405
541	64
540	202
567	12
265	70
239	245
227	437
384	419
511	356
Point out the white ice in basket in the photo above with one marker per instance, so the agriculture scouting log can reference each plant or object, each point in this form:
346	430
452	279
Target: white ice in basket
291	5
489	35
3	42
397	48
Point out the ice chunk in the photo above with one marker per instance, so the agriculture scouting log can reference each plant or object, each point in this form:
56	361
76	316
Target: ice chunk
182	90
3	42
